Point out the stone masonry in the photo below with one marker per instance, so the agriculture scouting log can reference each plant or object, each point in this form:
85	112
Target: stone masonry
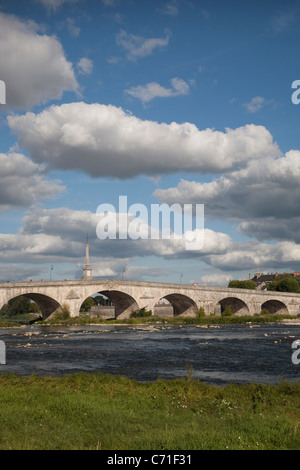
128	296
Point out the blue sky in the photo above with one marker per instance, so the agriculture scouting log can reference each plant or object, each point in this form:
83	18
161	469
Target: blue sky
165	102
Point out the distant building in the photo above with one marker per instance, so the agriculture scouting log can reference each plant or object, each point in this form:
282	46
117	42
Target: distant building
263	280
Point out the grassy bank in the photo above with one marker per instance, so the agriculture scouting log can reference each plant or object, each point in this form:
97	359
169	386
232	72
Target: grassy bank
97	411
207	320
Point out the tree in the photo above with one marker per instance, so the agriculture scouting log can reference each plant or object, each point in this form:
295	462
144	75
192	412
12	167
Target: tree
286	284
87	304
272	285
62	313
4	312
19	306
248	284
33	308
227	312
142	312
100	300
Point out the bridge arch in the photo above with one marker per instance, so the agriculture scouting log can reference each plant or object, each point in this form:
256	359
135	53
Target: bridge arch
237	305
46	304
124	304
275	306
182	304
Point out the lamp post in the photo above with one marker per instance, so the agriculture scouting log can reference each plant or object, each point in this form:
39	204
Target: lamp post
123	272
181	276
51	269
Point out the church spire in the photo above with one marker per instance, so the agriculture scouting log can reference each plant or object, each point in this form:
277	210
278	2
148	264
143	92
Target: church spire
87	270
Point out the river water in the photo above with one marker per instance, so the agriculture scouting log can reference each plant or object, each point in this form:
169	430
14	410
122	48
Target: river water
216	355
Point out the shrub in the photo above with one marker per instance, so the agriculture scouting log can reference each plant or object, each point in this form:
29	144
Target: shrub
142	312
200	313
264	311
286	284
227	312
248	284
272	286
63	313
87	304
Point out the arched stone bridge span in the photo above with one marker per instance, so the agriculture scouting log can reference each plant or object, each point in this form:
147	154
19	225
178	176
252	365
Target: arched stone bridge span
128	296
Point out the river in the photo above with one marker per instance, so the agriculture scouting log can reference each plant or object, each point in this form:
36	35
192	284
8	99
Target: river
218	355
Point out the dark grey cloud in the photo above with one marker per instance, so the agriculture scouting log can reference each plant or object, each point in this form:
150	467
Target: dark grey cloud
262	198
272	228
58	236
17	272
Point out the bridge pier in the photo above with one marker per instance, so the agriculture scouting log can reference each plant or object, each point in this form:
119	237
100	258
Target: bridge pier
254	308
73	306
210	308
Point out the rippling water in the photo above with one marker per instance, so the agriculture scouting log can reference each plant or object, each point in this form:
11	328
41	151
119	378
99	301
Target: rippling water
217	355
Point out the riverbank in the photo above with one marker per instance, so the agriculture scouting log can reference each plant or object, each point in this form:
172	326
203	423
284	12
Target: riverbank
98	411
202	321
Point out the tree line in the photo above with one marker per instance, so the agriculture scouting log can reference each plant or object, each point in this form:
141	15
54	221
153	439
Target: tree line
283	283
19	306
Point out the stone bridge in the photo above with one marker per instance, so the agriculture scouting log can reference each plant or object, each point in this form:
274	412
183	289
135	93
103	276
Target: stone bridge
128	296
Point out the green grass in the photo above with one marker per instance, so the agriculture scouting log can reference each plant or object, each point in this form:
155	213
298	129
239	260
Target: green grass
199	320
9	324
97	411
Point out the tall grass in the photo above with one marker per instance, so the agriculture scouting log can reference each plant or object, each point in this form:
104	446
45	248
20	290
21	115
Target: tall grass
97	411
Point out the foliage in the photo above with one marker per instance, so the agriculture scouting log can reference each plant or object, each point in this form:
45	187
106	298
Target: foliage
264	311
247	284
87	304
63	313
141	313
227	312
200	313
285	284
272	285
18	306
266	317
100	300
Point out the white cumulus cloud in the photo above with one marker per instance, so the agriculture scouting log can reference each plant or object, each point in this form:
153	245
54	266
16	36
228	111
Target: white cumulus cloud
104	140
217	279
33	65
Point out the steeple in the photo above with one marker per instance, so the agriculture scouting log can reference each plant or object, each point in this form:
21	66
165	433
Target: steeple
87	270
